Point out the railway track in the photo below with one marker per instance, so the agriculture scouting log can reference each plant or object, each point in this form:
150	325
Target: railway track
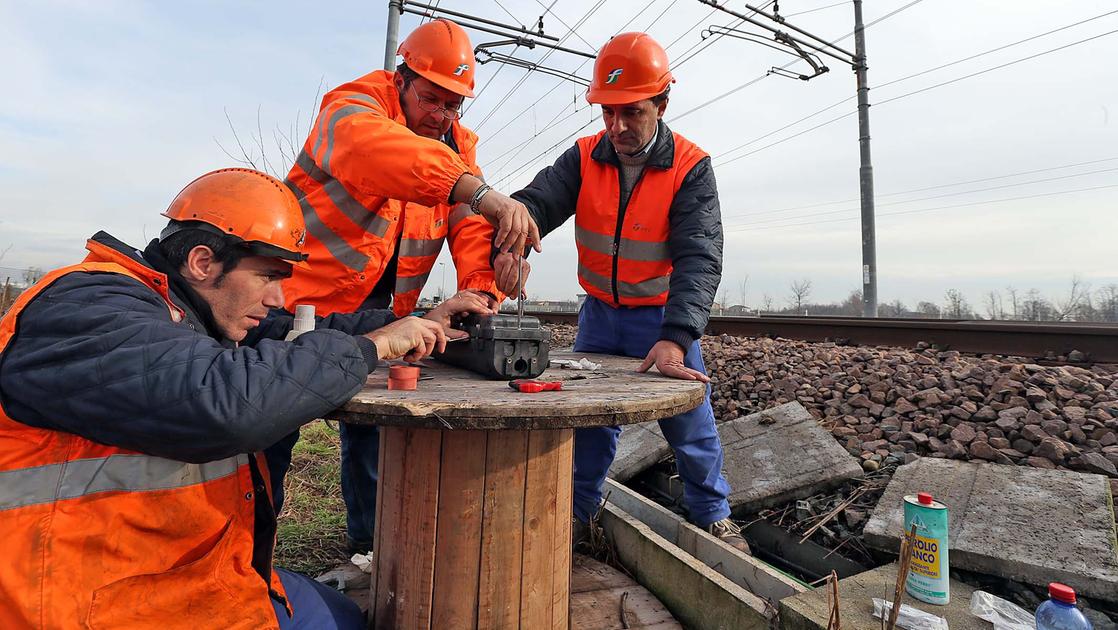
1044	340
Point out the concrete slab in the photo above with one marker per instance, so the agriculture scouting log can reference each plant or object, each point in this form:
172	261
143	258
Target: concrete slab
639	447
781	454
1028	524
809	611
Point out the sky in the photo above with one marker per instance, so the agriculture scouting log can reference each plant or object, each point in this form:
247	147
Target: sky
1008	178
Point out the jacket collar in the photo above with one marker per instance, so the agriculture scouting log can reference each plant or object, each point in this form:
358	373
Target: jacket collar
661	156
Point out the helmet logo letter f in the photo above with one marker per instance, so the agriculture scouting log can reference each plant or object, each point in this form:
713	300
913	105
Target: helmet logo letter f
460	69
613	75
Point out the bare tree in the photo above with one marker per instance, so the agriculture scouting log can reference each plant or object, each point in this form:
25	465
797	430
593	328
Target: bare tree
1108	303
742	286
852	305
928	309
1034	308
956	306
722	301
801	289
994	307
896	308
1076	292
766	303
1013	300
287	144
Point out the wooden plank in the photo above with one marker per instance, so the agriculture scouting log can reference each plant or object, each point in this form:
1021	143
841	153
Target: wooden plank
458	545
615	394
587	574
538	564
502	529
561	584
758	577
697	595
404	596
389	499
601	610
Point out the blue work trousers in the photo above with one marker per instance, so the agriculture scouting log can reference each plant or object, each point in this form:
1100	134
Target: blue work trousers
632	332
315	606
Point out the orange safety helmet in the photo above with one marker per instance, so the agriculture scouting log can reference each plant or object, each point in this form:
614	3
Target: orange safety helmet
246	204
630	67
441	52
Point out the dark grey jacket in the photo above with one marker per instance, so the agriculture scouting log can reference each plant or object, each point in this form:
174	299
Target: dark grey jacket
97	354
695	221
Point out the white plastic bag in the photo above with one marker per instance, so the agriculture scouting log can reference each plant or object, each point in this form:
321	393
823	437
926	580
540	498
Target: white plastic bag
910	618
581	364
1005	615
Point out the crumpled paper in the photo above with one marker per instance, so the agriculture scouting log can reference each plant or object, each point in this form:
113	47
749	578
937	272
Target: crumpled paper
581	364
363	561
909	618
1005	615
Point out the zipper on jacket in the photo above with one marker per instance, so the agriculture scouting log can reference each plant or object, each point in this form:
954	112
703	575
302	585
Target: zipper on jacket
620	221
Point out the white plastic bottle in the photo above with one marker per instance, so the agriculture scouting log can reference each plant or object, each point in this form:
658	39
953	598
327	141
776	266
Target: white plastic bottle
304	321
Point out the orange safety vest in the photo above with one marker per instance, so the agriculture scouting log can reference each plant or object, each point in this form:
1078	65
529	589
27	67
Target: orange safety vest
104	537
364	180
627	262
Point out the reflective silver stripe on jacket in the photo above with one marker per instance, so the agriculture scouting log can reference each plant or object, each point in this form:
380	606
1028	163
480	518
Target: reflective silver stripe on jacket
371	222
420	246
335	244
646	288
326	124
406	284
631	249
460	213
115	473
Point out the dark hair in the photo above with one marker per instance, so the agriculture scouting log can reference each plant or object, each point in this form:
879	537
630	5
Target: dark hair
176	246
407	73
661	97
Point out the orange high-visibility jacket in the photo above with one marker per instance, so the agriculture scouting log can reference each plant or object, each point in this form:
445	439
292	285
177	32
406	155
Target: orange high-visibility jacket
105	537
627	262
364	180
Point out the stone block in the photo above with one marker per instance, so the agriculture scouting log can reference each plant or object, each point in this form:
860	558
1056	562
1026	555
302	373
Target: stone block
1026	524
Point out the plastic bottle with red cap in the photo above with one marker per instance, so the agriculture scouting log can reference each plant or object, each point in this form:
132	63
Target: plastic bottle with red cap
1060	612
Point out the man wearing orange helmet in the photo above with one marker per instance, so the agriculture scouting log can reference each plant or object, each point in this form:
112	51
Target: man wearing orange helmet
387	174
136	394
649	236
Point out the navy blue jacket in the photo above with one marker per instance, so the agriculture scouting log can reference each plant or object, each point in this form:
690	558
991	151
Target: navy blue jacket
695	239
97	355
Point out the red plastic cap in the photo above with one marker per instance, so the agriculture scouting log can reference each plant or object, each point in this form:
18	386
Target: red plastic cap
1061	592
925	498
403	372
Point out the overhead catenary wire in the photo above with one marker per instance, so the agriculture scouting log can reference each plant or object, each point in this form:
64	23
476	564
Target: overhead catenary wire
912	93
935	187
930	197
935	209
552	122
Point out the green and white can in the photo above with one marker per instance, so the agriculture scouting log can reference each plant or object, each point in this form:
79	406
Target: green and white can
928	579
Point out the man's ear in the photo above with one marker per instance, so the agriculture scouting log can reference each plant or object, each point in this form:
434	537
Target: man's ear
663	105
200	265
398	81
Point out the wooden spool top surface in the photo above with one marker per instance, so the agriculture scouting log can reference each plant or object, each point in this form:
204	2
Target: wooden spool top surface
614	394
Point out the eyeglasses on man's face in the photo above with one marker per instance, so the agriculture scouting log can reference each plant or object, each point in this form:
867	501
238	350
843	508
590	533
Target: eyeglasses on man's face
451	112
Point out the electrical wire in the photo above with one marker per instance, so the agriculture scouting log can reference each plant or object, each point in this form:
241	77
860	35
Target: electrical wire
829	6
935	209
911	76
929	198
936	187
914	92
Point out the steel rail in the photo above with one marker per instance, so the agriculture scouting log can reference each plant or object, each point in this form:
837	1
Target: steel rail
1098	342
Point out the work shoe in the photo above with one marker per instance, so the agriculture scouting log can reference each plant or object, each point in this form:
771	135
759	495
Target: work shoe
728	532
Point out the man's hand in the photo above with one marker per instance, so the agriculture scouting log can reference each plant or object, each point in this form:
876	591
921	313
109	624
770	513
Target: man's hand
508	282
667	356
410	337
515	227
467	301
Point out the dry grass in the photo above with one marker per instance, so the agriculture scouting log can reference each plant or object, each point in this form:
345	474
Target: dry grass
311	538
